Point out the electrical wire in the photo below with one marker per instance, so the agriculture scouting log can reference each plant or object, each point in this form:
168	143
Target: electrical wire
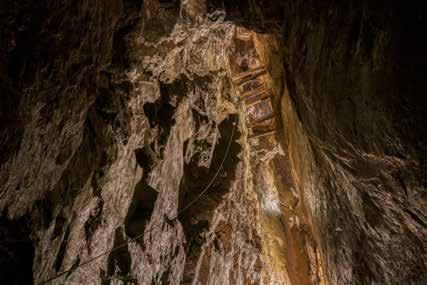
141	235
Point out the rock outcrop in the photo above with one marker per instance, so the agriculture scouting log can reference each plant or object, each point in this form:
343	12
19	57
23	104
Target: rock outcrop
129	157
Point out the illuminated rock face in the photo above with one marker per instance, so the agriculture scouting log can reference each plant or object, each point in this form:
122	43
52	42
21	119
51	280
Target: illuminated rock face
121	127
352	109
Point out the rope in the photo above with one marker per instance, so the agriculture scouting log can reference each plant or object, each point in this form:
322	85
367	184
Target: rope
141	235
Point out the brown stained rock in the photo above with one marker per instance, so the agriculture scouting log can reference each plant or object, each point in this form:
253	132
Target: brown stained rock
115	116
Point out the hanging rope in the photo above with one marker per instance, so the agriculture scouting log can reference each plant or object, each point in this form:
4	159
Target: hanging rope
73	268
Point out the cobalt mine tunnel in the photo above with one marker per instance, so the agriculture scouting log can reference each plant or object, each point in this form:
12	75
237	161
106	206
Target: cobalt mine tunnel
212	142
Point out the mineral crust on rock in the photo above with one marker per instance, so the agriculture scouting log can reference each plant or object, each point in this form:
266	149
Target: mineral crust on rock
212	142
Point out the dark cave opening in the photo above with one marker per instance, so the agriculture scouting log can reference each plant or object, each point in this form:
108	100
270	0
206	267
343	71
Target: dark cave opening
16	251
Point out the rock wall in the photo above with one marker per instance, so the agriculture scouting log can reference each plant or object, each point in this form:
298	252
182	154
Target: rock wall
126	157
353	112
124	122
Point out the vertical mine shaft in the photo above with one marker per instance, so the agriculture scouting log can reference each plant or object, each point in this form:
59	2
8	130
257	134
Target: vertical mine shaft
212	142
289	251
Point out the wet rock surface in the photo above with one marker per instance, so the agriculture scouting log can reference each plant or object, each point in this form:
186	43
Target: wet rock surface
124	143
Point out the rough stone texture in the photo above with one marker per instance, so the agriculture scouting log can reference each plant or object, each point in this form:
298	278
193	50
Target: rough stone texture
132	123
115	115
354	112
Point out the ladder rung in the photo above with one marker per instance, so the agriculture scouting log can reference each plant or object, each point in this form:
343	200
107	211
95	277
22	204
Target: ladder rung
257	100
250	93
250	77
269	132
263	94
261	125
247	85
263	119
252	73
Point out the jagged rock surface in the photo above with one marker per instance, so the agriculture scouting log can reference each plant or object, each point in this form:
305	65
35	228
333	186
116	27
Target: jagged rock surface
358	150
130	134
115	116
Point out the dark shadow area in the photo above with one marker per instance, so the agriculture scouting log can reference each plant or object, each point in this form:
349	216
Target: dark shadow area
169	3
62	248
60	222
122	39
196	178
20	29
16	252
119	262
264	16
140	210
163	23
144	197
11	124
196	218
160	113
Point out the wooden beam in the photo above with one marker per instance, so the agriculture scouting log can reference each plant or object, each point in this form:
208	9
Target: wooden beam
263	119
256	99
253	92
269	132
249	82
247	75
262	124
244	74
